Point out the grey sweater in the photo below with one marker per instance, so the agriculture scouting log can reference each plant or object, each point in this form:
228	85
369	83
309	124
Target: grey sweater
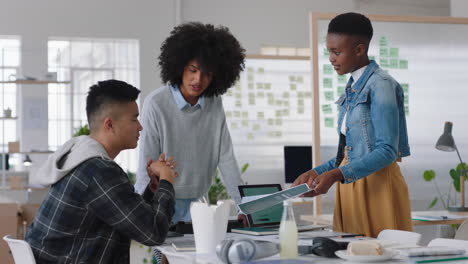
197	137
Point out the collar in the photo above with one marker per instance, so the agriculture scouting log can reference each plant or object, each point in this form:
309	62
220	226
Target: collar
363	76
180	100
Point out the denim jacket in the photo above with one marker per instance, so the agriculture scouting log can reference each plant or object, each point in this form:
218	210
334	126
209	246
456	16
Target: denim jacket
376	133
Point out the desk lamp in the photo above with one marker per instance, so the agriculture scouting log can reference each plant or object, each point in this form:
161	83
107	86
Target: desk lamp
446	143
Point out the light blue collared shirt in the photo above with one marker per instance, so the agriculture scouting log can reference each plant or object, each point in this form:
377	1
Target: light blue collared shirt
181	102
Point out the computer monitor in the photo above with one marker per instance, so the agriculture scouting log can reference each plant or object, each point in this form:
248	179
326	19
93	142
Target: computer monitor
297	160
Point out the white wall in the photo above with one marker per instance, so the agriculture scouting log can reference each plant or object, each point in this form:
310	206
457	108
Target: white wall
459	8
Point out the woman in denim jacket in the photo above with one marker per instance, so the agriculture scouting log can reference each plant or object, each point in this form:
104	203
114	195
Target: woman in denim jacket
371	193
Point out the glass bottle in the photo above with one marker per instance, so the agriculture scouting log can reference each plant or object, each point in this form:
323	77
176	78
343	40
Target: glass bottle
288	232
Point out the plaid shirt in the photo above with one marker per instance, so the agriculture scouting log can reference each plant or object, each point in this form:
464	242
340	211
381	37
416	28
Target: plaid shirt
90	215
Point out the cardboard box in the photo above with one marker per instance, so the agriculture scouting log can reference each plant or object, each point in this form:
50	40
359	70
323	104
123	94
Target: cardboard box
10	223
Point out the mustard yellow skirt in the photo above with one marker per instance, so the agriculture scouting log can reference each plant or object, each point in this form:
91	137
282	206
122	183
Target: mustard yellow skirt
374	203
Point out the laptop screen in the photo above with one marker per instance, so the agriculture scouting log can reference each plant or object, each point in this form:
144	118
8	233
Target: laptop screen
270	216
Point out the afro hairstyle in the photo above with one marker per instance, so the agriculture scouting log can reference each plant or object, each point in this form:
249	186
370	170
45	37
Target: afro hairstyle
106	93
352	24
215	49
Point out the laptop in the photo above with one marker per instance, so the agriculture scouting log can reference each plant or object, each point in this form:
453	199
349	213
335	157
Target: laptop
267	221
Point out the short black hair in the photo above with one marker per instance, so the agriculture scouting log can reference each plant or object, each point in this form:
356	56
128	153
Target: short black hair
352	24
214	48
107	93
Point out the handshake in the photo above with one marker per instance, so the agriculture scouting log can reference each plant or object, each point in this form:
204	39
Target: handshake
161	169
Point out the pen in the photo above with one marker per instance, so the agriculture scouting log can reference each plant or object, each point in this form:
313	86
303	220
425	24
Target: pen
440	260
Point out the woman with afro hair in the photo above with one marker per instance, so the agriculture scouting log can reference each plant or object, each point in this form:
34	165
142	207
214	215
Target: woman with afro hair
185	118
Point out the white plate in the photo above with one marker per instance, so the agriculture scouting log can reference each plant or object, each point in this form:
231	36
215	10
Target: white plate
388	254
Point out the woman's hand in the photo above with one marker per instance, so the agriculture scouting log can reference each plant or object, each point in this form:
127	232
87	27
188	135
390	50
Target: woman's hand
324	181
306	177
162	169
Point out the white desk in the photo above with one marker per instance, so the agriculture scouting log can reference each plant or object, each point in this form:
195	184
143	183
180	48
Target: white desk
175	257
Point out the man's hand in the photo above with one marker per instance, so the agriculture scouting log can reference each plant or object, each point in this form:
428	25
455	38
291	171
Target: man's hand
162	169
306	177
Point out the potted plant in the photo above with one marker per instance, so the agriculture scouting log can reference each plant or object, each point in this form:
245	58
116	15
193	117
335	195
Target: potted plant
217	190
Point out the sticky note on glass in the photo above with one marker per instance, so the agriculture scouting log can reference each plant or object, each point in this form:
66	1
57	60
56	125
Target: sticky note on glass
300	110
325	52
342	78
237	95
300	102
308	94
250	86
327	109
260	94
271	121
285	112
250	136
383	52
394	52
228	114
329	96
250	77
278	122
259	85
407	110
238	104
278	103
292	87
286	103
271	101
278	113
245	123
285	94
329	122
327	83
261	70
260	115
383	41
237	114
300	95
405	87
340	89
250	69
234	125
327	69
300	79
251	101
245	114
292	78
403	64
270	95
267	86
383	62
406	99
256	127
393	63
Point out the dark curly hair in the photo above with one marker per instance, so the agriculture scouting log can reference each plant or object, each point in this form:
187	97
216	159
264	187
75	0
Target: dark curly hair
215	49
352	24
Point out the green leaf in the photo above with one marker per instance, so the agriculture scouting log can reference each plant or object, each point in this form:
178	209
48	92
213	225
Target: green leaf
456	184
429	175
454	174
433	203
145	260
244	168
462	166
84	130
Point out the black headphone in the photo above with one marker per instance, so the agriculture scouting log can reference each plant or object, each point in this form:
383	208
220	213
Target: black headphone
324	247
242	250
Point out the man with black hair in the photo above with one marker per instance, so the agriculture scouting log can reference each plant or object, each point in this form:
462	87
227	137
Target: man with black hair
91	210
186	119
371	192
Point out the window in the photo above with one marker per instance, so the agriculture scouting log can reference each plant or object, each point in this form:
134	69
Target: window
9	71
84	62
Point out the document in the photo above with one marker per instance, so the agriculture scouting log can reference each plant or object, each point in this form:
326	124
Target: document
270	200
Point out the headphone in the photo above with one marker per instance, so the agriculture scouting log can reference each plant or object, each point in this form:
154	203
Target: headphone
324	247
242	250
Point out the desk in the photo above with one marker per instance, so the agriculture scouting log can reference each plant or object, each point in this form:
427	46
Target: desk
175	257
327	219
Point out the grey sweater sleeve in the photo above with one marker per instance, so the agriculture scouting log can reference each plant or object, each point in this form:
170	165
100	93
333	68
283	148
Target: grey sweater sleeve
149	145
228	165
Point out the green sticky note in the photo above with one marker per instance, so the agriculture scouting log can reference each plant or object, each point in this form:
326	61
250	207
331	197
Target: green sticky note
300	95
405	87
271	121
267	86
259	86
260	94
238	104
292	87
271	101
327	69
406	99
403	64
394	52
270	95
300	79
251	95
250	136
292	78
278	102
383	52
278	113
340	89
250	86
256	127
327	109
260	115
285	112
342	78
329	122
383	62
234	125
286	103
245	114
327	83
328	95
228	114
237	114
245	123
237	96
300	102
261	70
325	52
251	101
278	122
383	41
308	94
407	110
250	69
250	77
300	110
285	94
394	63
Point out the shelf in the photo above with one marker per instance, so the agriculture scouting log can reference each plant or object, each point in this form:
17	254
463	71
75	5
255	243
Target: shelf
34	82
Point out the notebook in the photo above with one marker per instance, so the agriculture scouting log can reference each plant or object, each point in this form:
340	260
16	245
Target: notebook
267	221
